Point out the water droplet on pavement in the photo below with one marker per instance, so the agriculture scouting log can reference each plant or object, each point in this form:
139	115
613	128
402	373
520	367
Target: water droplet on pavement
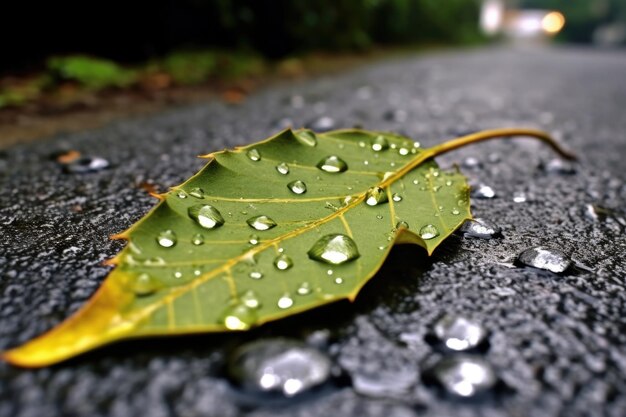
279	365
483	191
480	228
86	165
464	375
459	333
545	258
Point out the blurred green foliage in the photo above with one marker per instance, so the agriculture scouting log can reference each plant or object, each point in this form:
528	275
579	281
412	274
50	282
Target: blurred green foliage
190	67
91	73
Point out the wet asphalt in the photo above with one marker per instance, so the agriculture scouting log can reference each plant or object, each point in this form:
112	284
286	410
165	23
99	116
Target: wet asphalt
555	342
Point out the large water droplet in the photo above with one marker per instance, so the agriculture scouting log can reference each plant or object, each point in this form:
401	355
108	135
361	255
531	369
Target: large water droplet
297	187
459	333
429	232
465	375
282	365
197	192
261	222
197	239
206	216
544	258
238	317
306	137
380	143
285	301
253	154
166	238
144	285
283	262
332	164
334	249
282	168
480	228
375	196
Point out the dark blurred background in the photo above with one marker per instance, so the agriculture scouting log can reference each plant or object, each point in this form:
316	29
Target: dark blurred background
68	56
132	31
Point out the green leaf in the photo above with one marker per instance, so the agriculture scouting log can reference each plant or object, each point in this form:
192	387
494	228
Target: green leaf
266	231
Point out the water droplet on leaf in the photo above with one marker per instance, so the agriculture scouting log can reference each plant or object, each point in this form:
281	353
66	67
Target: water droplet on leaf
197	192
197	239
429	232
306	137
238	317
167	238
283	262
375	196
297	187
206	216
144	285
253	155
332	164
285	301
261	222
396	197
282	168
334	249
380	143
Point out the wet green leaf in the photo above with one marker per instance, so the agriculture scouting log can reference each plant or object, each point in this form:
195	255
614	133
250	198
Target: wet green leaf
266	231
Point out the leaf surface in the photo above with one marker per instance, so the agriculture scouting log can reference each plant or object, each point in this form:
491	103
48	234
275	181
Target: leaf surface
265	231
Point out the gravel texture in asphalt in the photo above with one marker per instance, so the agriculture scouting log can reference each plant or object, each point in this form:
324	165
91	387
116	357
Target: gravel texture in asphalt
550	344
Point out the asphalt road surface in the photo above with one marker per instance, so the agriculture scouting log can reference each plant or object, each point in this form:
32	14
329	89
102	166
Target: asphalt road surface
556	343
